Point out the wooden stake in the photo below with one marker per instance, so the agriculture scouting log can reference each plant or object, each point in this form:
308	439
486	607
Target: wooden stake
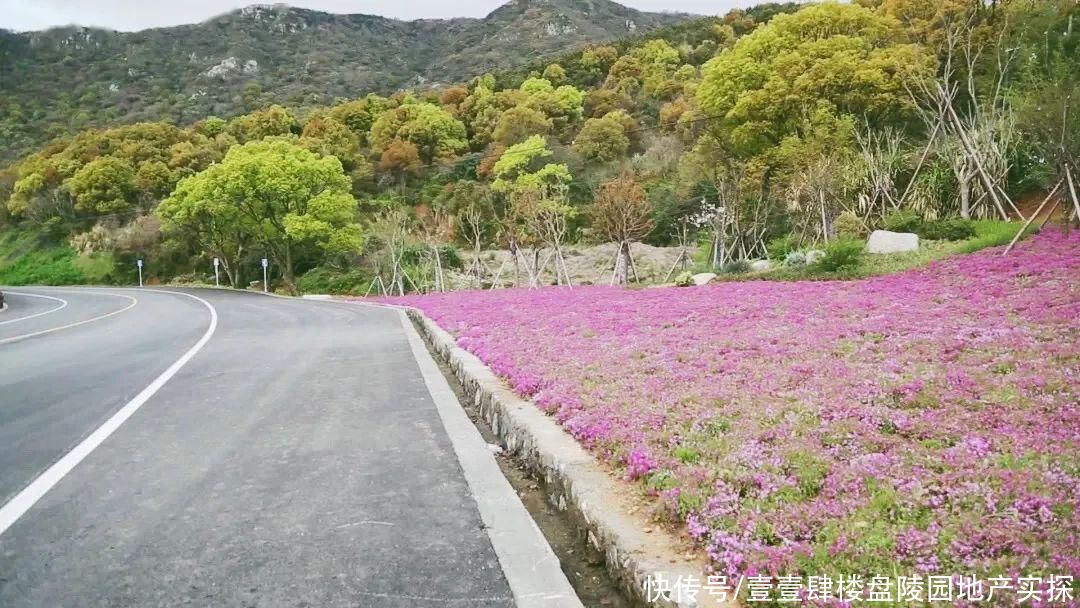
1032	218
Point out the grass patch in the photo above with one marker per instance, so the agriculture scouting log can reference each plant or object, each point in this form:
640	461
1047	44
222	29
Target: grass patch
52	266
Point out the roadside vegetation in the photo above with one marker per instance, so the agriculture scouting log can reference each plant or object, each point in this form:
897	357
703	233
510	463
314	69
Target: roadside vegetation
914	424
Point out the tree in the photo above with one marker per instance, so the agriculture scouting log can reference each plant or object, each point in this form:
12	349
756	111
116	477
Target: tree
513	172
518	123
153	180
433	130
537	211
212	224
554	73
603	139
400	159
622	213
842	59
274	120
329	137
102	186
360	114
290	197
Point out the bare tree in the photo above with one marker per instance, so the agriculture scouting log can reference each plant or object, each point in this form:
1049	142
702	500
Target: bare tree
436	229
817	193
622	213
546	214
972	127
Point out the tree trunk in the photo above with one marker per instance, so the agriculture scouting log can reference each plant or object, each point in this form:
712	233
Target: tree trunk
622	264
287	269
824	219
965	199
517	265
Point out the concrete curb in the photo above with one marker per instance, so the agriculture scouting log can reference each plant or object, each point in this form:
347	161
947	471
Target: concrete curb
575	482
528	562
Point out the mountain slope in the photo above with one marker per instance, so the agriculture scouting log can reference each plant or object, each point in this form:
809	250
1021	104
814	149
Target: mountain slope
61	80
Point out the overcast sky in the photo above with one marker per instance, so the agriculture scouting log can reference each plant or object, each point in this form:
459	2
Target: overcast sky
24	15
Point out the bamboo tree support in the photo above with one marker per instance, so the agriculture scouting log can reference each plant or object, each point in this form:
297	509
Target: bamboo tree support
988	183
534	279
376	281
684	258
1072	191
478	269
440	279
560	263
614	266
498	275
1031	219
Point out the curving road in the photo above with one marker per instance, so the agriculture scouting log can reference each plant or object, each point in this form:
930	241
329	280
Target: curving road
216	448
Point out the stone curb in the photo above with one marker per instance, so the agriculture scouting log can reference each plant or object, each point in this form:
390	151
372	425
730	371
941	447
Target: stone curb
574	481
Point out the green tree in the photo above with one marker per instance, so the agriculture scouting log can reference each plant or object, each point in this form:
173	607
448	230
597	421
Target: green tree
841	58
290	197
516	170
518	123
433	130
104	185
603	139
329	137
274	120
554	73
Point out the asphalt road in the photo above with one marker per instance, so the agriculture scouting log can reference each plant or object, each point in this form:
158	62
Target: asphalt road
297	459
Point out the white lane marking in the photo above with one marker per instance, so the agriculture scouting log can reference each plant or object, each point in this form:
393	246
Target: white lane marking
21	503
63	304
134	302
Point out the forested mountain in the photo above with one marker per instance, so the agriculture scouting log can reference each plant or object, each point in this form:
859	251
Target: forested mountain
58	81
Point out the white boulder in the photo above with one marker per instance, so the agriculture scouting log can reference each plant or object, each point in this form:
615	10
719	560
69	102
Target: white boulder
883	241
760	265
704	278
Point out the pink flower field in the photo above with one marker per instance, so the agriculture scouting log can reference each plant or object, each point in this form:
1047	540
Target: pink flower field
923	423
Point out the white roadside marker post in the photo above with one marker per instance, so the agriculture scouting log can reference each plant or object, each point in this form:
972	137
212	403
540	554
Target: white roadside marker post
265	263
217	281
139	264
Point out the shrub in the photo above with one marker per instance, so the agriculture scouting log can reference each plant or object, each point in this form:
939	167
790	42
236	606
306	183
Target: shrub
848	225
782	246
795	258
903	221
955	229
841	254
331	280
684	279
736	267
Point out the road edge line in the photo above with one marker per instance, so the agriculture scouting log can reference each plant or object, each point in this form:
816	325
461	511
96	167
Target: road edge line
28	496
62	306
34	334
528	562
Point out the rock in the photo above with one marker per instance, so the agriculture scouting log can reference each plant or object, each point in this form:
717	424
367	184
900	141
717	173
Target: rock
883	241
704	278
814	255
760	265
495	449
